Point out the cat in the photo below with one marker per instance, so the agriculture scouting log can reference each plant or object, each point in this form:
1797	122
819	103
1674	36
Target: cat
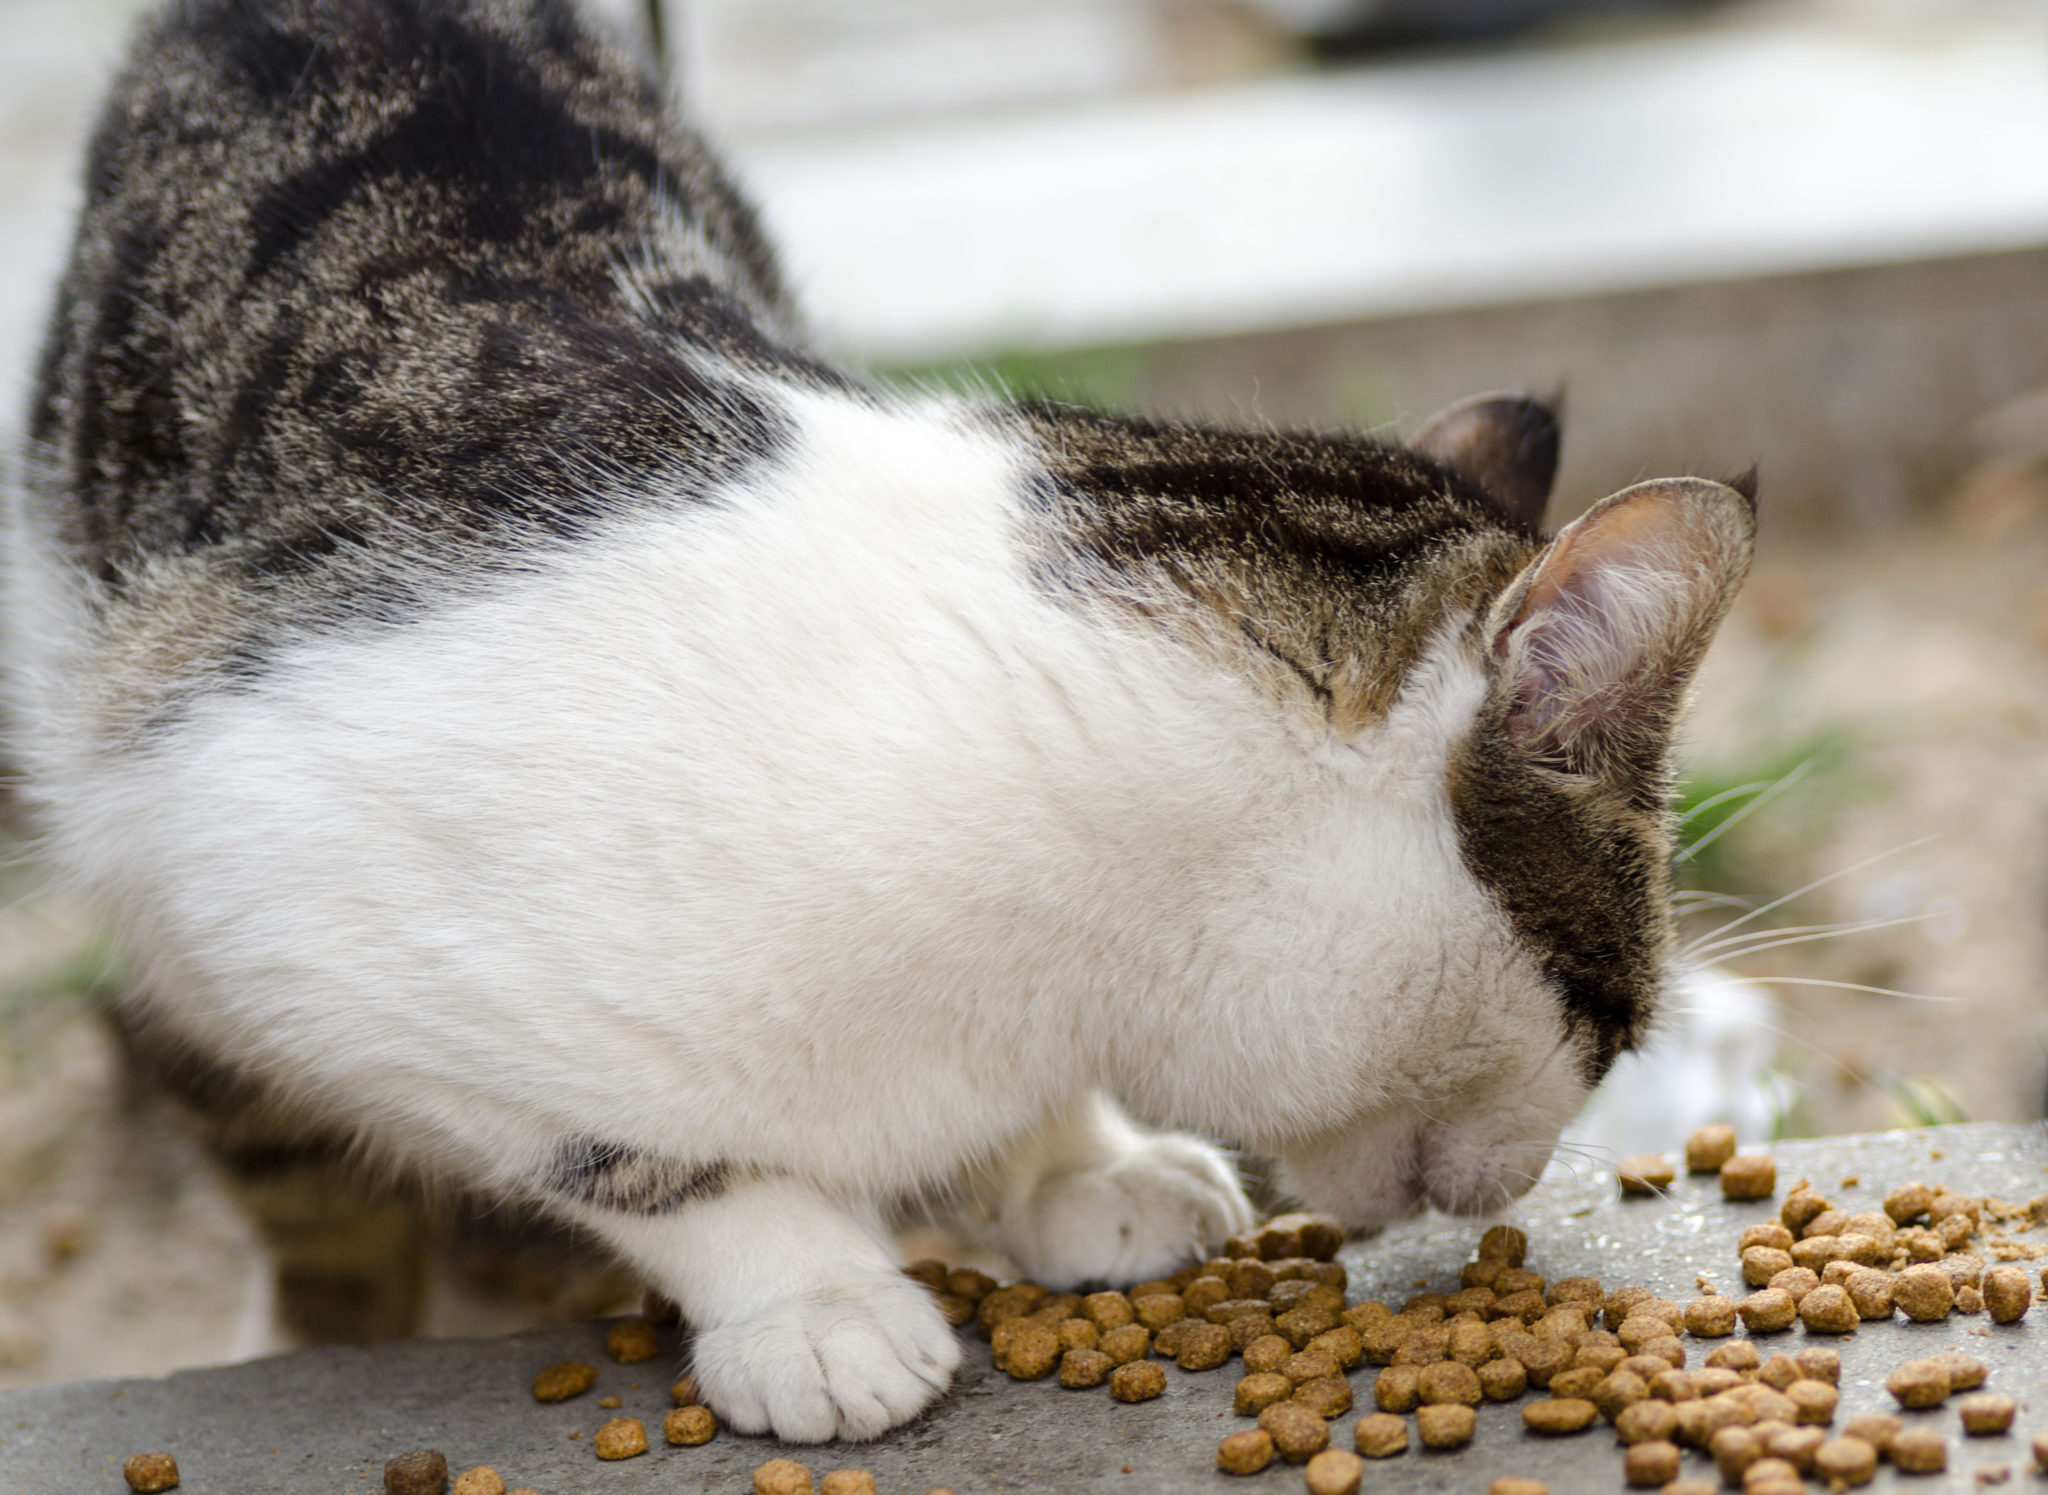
533	722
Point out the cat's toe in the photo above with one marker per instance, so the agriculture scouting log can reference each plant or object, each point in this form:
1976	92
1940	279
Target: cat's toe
1138	1213
850	1360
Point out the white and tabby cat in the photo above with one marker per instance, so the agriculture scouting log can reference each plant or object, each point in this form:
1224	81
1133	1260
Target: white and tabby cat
531	721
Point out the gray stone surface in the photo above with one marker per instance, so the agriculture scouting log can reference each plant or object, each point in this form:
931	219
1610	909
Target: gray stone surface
325	1421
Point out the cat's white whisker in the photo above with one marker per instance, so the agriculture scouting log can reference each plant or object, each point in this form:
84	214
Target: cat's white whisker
1720	953
1818	882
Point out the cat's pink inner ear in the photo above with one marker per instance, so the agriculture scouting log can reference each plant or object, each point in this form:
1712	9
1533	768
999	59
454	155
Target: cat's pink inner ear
1606	631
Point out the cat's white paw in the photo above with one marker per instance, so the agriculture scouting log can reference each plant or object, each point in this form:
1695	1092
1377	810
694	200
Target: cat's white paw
1137	1211
847	1360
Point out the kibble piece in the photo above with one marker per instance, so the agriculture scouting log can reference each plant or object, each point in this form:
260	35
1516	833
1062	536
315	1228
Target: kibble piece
1813	1401
1249	1279
424	1471
1580	1380
966	1282
1768	1475
1559	1415
1381	1435
1709	1149
147	1473
1334	1472
1139	1381
847	1482
1796	1446
1712	1380
684	1392
1846	1461
1033	1350
1621	1301
1871	1292
1245	1453
1083	1368
1297	1433
1269	1353
1965	1372
2041	1453
688	1427
782	1477
1749	1176
1156	1310
1124	1345
1503	1243
1919	1383
1204	1347
2007	1293
1260	1390
1761	1263
1908	1203
1734	1449
620	1438
1448	1381
1514	1484
1309	1365
1078	1334
1829	1310
1326	1396
1767	1311
631	1340
1448	1426
1345	1345
1502	1380
1986	1413
1919	1451
1645	1173
1797	1281
1398	1388
1770	1233
1923	1293
564	1379
482	1480
1648	1465
1108	1310
1014	1301
1739	1356
1646	1421
1204	1293
1875	1428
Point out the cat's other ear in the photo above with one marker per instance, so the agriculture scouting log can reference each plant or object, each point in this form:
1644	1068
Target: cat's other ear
1599	637
1507	444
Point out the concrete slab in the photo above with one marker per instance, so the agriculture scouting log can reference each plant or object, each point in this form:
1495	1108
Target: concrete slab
325	1421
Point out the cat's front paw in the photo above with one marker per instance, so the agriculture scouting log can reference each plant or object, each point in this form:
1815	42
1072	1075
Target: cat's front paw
1138	1211
844	1360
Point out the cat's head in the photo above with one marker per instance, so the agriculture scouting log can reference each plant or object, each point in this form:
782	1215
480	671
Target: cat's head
1474	912
1558	791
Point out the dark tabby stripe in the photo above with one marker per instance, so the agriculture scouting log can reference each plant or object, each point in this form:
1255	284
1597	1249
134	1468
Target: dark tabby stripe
613	1176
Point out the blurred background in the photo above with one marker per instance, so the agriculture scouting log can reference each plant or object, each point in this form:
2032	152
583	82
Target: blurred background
1806	234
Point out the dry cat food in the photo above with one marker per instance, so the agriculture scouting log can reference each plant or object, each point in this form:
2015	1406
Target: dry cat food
689	1427
1334	1472
482	1480
564	1379
424	1471
1986	1414
782	1477
632	1340
847	1482
150	1472
1762	1422
1245	1453
620	1438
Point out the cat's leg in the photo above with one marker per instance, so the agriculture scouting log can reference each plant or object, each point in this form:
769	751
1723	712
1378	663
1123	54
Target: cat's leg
1092	1197
805	1325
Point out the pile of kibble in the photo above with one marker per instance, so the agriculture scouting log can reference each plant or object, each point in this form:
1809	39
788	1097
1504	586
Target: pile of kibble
1580	1351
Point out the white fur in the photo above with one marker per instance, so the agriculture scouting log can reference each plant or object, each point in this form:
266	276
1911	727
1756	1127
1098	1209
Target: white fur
802	832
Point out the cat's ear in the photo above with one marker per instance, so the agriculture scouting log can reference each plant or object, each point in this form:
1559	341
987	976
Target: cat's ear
1507	444
1599	637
